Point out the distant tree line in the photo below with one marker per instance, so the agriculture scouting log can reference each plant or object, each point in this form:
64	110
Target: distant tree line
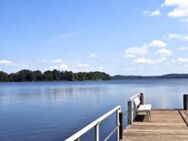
166	76
55	75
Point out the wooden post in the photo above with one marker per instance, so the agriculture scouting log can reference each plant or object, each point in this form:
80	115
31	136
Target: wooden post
141	98
185	101
130	113
121	125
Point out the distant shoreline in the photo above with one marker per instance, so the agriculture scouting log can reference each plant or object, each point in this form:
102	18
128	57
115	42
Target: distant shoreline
56	75
166	76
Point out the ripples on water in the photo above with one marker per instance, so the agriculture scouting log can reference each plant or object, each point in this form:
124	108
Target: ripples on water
52	111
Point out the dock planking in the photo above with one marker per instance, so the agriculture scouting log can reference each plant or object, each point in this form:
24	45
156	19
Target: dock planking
164	125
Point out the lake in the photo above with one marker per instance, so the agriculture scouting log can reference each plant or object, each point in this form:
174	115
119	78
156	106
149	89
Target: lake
53	111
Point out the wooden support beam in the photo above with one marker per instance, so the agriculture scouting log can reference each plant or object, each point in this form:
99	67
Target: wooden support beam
185	101
121	125
130	112
141	98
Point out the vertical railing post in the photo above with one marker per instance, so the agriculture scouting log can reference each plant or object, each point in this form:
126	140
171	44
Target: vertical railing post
121	125
141	98
97	132
117	122
130	112
185	101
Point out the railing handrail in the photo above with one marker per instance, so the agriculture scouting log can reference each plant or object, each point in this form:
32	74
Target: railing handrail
78	134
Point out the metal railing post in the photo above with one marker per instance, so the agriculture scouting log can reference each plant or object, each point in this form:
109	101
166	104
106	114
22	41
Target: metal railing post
97	132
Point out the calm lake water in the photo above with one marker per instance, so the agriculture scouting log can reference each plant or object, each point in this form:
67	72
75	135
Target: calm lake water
52	111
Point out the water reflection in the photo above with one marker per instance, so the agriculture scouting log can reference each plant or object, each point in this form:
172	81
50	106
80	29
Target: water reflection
54	94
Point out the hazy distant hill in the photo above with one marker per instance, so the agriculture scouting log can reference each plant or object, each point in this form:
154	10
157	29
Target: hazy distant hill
166	76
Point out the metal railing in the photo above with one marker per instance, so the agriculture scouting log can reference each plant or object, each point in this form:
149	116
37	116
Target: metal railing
95	124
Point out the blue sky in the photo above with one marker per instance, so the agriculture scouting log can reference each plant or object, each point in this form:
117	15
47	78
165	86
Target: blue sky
128	37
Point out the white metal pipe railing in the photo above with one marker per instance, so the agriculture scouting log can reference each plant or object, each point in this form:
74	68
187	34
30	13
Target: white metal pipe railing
97	132
117	122
95	124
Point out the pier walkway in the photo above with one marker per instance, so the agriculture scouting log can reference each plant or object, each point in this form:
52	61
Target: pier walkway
164	125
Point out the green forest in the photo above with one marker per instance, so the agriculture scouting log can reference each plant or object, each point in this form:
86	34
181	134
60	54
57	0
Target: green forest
55	75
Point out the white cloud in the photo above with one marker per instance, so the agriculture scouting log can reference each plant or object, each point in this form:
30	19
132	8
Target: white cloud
93	55
152	13
176	9
81	67
179	12
136	50
181	3
149	61
84	67
180	8
182	60
164	52
57	61
144	61
6	62
60	67
156	13
173	36
177	36
157	43
9	63
183	48
58	64
132	52
154	52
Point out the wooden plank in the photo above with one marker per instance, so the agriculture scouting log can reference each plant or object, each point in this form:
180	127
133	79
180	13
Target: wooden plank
165	125
184	115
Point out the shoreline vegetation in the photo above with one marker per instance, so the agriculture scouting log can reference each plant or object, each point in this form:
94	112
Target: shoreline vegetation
166	76
56	75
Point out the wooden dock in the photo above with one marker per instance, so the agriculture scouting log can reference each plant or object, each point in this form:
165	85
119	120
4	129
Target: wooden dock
144	124
164	125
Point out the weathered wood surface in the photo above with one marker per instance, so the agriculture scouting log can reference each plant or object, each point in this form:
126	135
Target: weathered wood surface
165	125
184	114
